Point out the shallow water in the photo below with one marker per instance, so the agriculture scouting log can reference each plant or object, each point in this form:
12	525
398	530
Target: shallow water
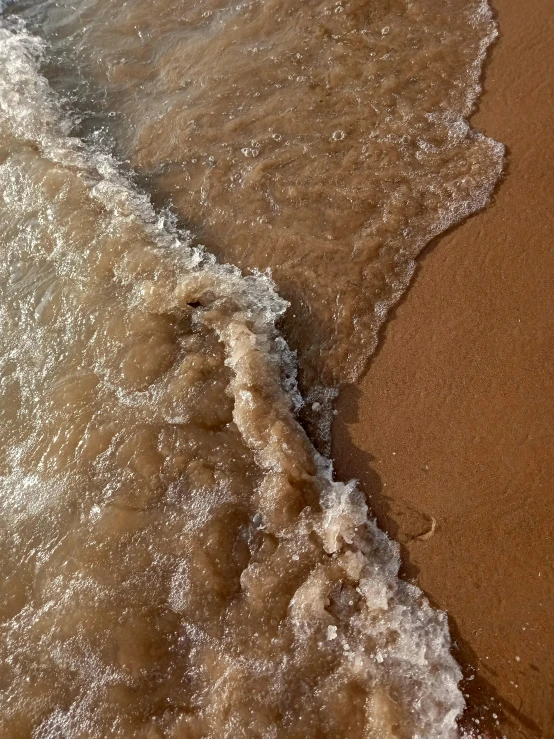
326	141
178	561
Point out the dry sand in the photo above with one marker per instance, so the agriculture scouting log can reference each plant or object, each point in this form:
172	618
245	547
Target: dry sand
454	422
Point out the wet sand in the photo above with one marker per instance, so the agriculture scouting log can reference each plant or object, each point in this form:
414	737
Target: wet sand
450	432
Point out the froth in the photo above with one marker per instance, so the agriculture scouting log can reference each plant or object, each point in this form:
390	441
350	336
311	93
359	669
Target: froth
180	562
326	142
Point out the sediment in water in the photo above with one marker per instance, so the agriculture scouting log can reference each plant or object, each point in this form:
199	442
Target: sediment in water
180	561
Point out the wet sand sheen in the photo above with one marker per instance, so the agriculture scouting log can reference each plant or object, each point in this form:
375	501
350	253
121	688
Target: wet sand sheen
471	442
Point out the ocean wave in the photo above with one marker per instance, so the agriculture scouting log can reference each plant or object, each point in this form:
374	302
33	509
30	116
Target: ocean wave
179	559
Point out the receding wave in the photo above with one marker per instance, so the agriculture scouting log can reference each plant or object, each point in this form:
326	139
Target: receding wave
176	558
326	141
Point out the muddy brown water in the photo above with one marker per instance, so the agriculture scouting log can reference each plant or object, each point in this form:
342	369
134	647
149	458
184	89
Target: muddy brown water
177	559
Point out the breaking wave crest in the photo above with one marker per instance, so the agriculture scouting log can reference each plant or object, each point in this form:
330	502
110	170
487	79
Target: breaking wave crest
179	561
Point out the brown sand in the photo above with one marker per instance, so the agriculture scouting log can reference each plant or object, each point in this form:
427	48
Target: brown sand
454	420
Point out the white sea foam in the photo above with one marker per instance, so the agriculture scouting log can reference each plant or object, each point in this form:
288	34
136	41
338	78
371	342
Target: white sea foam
393	641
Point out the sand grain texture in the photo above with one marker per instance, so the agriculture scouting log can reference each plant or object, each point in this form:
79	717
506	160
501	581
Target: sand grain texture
453	421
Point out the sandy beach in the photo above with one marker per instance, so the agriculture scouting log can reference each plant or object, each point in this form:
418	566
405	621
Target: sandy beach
450	432
177	558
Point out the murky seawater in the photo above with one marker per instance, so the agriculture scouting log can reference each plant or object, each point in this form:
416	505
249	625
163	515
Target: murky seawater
177	560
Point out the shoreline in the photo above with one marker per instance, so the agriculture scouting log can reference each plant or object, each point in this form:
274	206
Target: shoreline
459	471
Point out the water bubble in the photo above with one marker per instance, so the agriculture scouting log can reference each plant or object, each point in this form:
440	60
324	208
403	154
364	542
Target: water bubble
249	151
338	136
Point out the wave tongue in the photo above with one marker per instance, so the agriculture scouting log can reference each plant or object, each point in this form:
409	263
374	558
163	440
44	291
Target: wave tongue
177	560
326	141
